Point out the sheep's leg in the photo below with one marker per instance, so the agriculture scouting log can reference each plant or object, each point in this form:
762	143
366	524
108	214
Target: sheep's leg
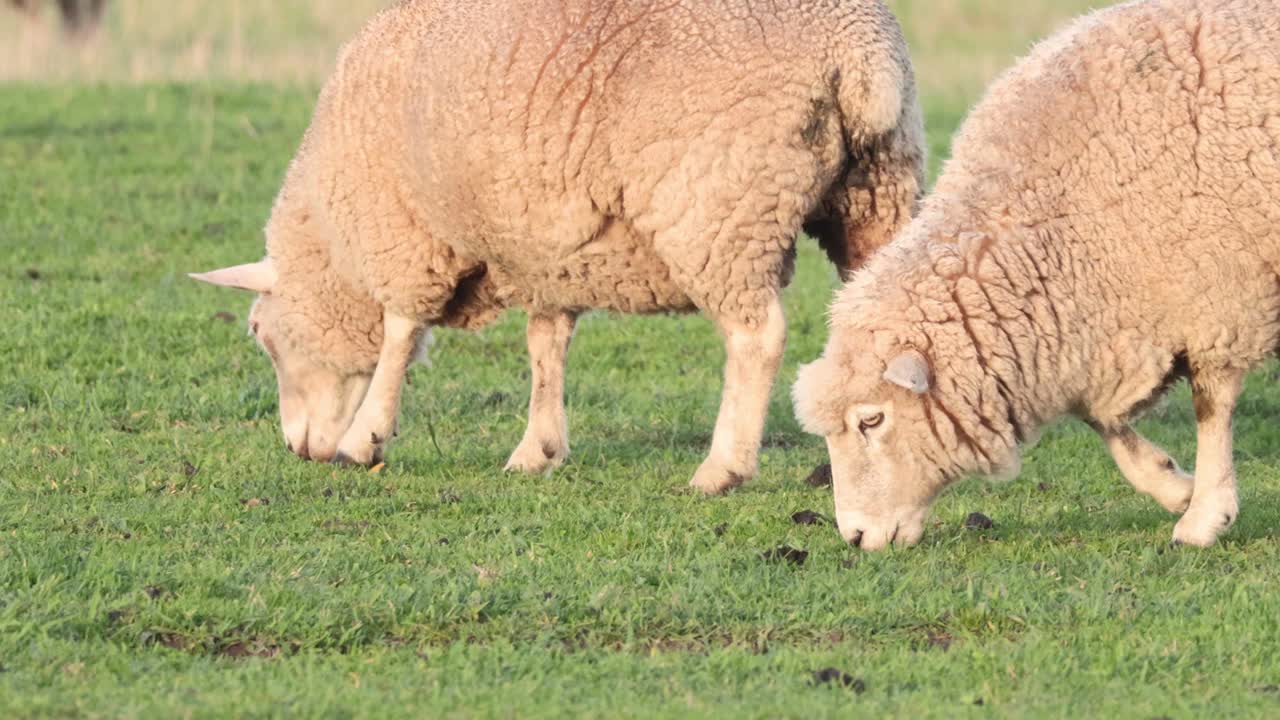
1149	469
753	354
546	438
1214	504
375	421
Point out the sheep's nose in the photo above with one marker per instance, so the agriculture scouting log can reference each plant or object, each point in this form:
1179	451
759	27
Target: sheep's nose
301	451
856	540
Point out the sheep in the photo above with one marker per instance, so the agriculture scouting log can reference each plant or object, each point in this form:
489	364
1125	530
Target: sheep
563	156
1109	223
79	17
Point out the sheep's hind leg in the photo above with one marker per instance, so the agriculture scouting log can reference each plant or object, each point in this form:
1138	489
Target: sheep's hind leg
753	355
1149	469
375	421
546	438
1214	504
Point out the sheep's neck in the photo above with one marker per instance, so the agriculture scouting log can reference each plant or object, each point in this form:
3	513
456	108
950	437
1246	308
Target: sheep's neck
1012	302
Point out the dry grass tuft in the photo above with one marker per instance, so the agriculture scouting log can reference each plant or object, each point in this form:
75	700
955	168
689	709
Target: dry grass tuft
275	41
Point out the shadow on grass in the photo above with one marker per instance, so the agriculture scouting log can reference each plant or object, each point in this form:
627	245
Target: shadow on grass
1259	520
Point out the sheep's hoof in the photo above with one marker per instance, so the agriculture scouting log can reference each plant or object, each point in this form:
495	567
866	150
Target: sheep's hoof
1201	527
713	478
533	456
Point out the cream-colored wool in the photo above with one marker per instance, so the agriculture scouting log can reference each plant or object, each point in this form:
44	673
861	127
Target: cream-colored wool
1110	221
568	155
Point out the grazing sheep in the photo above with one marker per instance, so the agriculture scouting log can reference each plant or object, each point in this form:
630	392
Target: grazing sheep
79	17
565	155
1110	222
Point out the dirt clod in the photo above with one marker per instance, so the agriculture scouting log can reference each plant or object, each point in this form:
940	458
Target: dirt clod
153	591
820	477
254	502
188	469
720	529
809	517
173	641
443	541
239	650
787	553
939	640
33	273
978	521
1044	487
449	497
829	676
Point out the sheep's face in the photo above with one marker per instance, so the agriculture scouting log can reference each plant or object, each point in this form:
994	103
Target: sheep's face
876	425
318	399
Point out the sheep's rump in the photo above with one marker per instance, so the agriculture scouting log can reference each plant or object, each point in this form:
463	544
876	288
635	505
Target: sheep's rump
630	155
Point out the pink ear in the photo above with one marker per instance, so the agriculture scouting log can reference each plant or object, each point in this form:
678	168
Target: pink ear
258	277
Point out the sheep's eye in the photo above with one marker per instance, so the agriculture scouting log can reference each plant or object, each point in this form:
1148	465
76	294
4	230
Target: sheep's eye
868	423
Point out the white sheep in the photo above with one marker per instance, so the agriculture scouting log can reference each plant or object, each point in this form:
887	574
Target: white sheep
1110	222
562	156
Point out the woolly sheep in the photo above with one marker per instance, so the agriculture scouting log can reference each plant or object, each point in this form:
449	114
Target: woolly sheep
1110	222
567	155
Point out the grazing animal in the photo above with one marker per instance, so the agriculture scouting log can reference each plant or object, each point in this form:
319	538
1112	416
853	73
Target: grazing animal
569	155
1109	222
79	17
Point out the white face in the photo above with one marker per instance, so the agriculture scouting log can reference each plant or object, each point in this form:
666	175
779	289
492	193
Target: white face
878	500
318	400
882	453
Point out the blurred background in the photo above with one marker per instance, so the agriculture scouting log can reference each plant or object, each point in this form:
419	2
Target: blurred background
957	44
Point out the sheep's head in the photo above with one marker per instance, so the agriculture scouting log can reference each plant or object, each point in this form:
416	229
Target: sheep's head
322	372
882	453
893	448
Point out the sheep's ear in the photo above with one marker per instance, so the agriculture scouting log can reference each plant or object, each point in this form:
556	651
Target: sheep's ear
258	277
909	370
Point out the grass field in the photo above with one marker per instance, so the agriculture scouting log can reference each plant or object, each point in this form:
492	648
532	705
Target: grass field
162	556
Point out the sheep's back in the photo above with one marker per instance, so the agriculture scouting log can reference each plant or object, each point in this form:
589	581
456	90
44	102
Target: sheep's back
533	125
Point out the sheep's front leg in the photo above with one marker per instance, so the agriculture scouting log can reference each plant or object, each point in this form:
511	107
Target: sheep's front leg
753	355
1149	469
375	421
1214	504
546	438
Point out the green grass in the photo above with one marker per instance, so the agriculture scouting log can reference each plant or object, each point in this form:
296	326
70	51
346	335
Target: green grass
161	555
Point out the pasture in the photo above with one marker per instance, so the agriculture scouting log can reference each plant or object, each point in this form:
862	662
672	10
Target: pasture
161	555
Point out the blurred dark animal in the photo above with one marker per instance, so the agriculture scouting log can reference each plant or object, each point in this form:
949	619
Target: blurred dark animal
79	17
